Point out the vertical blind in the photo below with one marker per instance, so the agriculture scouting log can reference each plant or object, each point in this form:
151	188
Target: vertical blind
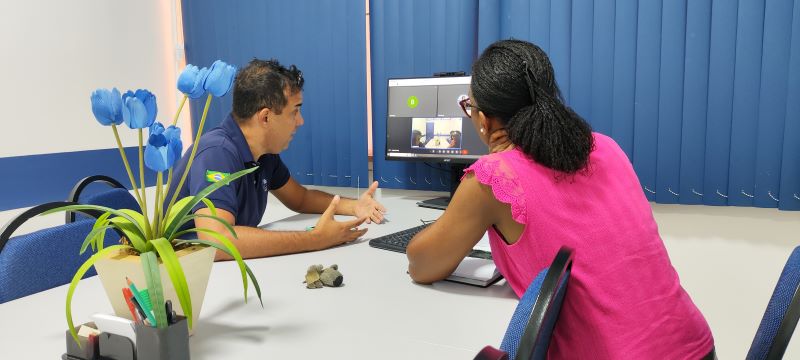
703	96
415	38
325	39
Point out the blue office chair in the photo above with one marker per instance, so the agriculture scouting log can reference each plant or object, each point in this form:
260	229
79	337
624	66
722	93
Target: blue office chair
117	197
781	315
528	334
43	259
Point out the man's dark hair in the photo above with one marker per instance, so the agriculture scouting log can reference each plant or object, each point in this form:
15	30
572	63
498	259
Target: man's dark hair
513	80
261	84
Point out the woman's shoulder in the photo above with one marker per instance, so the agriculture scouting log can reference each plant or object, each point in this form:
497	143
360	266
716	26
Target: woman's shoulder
604	142
499	173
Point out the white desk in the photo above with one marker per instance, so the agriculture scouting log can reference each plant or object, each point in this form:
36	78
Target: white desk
378	314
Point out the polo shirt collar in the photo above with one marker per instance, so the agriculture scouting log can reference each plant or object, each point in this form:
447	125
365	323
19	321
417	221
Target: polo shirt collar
237	137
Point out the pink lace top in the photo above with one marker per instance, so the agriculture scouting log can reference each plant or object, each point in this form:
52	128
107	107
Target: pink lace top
624	299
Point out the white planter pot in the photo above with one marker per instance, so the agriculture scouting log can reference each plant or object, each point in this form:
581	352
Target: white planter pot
196	262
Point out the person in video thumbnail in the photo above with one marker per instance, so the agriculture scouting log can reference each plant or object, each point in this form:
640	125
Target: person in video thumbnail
416	139
455	139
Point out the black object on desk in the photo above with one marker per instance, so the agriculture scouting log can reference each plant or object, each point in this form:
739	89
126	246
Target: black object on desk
399	241
170	343
456	171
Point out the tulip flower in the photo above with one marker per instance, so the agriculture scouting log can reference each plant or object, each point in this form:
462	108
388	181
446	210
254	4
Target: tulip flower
139	109
191	81
107	106
155	240
164	147
220	78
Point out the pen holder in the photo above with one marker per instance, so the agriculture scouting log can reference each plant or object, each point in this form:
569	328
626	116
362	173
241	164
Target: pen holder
170	343
82	351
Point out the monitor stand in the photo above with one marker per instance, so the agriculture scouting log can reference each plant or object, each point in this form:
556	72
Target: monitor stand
456	170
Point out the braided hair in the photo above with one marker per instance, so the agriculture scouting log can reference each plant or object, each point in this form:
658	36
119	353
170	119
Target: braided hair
513	81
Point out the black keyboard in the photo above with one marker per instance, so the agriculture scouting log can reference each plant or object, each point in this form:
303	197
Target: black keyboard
399	241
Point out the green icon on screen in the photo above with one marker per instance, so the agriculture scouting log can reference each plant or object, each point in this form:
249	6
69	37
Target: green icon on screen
412	102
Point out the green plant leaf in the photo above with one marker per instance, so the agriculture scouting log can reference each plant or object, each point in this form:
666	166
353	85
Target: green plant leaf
138	217
135	237
210	206
173	212
101	221
75	279
119	213
183	211
233	251
152	276
92	235
255	284
179	205
175	271
228	251
218	219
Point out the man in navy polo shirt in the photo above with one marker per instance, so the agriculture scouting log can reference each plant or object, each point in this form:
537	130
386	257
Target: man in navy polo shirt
266	113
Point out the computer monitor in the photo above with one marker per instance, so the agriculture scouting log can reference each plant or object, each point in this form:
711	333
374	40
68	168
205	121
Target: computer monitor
425	122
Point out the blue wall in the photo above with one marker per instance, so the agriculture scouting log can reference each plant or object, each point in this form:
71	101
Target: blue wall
35	179
703	96
325	39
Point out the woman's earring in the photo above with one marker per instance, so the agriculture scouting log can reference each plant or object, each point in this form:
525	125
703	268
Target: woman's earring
482	130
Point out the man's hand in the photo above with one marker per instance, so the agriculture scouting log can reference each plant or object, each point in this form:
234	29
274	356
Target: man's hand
328	232
367	207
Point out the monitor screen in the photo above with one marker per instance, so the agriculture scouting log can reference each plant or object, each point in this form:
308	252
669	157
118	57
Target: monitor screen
425	121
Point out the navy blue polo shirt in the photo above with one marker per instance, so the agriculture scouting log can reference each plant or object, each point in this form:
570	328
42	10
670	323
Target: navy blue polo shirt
222	151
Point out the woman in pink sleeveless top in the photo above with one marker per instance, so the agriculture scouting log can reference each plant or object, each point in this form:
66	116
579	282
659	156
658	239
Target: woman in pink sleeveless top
550	181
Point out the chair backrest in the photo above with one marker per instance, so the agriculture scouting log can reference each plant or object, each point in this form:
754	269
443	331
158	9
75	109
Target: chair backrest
782	313
528	334
490	353
117	197
43	259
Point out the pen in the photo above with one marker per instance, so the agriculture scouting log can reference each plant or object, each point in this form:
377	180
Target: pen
93	347
168	309
139	310
127	295
145	306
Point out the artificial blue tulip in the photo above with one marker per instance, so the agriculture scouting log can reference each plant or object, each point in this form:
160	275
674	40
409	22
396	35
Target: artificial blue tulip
107	106
174	143
191	81
139	109
220	78
164	147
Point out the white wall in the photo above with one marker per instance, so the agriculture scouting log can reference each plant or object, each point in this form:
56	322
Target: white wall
729	259
55	53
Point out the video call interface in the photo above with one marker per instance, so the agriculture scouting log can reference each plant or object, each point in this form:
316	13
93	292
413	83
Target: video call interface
426	120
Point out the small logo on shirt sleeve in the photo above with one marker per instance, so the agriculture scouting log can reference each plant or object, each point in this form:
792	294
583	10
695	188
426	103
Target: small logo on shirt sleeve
214	176
265	184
